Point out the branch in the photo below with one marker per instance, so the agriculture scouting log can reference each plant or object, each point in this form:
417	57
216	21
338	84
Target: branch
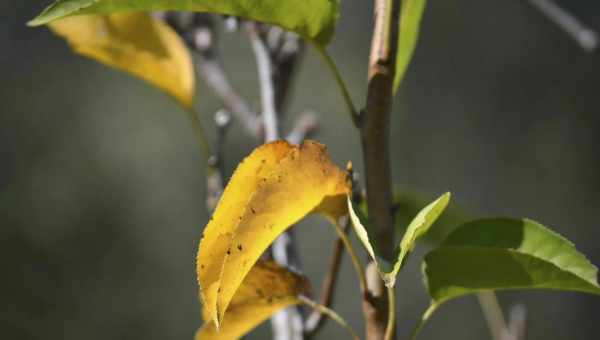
493	315
265	75
586	37
286	58
315	320
517	319
375	131
305	126
204	41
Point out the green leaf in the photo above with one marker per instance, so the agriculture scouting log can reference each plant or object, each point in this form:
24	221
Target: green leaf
367	235
420	225
407	206
497	254
416	229
312	19
408	35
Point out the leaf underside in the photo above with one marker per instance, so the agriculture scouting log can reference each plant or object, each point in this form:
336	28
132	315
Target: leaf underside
312	19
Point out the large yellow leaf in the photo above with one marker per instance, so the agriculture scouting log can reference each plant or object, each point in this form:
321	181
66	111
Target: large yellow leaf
273	188
136	43
266	289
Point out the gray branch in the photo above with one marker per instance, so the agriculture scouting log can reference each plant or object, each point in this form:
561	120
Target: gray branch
583	35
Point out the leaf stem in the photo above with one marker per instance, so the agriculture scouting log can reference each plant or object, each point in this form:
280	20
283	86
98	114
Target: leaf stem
196	124
315	320
353	256
331	314
351	108
390	330
424	318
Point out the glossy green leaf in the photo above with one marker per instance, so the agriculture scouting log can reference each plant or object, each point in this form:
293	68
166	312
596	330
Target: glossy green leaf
407	206
408	35
495	254
417	228
420	225
313	19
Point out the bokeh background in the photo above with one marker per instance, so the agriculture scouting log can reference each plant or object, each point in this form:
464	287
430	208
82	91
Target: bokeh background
102	185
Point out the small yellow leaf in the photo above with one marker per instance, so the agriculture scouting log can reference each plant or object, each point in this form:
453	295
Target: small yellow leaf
266	289
273	188
136	43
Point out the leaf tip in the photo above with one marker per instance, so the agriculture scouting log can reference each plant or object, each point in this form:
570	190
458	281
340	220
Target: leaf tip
36	22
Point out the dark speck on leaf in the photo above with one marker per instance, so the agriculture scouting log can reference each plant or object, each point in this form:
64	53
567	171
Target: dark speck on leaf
239	247
228	251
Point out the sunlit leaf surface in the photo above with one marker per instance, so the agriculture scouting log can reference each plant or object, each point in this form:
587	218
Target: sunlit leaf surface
273	188
136	43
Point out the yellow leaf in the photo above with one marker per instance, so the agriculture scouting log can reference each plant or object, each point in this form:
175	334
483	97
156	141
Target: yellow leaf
266	289
136	43
273	188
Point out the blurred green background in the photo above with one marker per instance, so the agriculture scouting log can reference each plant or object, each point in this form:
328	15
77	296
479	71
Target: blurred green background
102	185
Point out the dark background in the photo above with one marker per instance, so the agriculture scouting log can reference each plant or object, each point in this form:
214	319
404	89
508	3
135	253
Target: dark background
102	185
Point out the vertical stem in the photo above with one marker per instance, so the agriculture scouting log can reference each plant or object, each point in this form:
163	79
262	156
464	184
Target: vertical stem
267	89
375	132
493	314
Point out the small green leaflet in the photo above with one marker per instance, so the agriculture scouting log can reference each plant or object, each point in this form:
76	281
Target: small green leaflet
416	229
407	205
408	35
502	253
312	19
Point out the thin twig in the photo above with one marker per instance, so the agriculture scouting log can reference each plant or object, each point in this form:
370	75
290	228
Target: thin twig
286	57
216	164
264	66
586	37
205	42
324	310
353	255
517	319
315	320
303	127
493	314
199	132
